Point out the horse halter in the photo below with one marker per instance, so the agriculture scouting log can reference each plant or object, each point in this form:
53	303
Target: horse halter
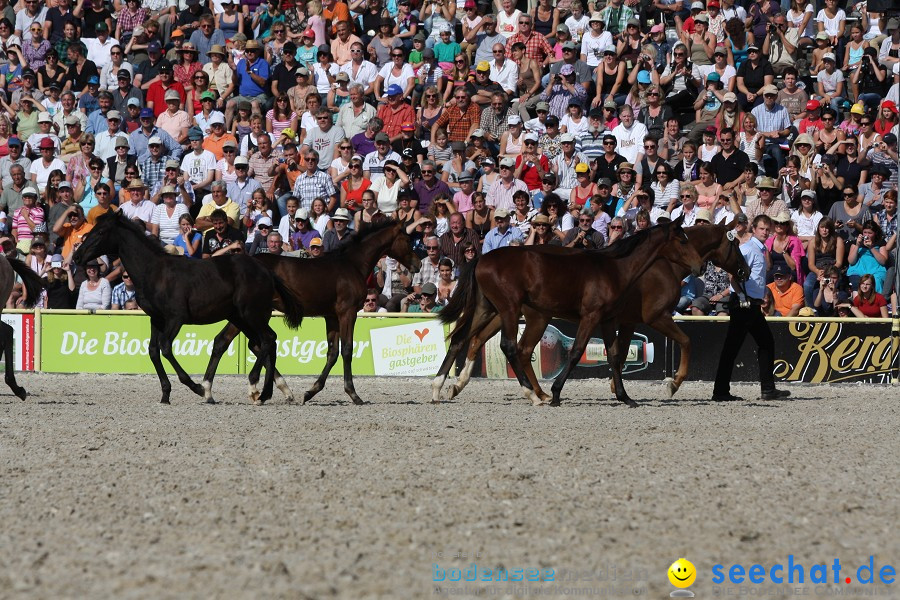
742	274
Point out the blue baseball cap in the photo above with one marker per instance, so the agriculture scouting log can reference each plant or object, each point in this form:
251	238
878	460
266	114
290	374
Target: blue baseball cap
93	80
394	90
147	113
643	77
14	141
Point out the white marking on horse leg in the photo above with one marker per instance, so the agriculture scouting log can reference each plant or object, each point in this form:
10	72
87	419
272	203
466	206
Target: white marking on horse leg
207	390
532	396
436	384
463	379
282	385
253	393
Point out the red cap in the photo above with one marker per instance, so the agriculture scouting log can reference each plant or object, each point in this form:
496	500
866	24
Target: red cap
46	143
712	4
309	33
890	105
407	127
813	105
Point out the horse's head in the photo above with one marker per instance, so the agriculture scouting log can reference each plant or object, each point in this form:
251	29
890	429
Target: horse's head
401	249
679	250
727	254
100	240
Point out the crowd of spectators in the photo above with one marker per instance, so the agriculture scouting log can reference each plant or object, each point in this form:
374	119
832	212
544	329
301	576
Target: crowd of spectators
284	126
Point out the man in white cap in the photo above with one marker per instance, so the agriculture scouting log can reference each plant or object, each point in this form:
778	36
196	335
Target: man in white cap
241	189
500	194
45	130
105	141
341	235
217	139
563	165
773	122
502	234
153	170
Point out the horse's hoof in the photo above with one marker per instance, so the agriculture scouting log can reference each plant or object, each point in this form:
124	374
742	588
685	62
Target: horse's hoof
290	400
197	389
435	401
211	401
630	403
672	387
21	393
358	401
451	393
307	396
165	400
554	402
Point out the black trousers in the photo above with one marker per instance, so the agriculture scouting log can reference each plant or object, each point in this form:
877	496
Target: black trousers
741	322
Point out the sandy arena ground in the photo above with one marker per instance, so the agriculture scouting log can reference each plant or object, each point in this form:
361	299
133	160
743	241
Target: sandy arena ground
107	494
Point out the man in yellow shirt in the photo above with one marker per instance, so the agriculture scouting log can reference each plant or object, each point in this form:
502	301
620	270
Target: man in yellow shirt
220	200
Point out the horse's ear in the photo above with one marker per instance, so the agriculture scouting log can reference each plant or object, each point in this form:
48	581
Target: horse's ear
731	225
679	221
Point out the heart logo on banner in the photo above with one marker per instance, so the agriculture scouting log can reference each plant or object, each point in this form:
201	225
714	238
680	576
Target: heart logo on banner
421	334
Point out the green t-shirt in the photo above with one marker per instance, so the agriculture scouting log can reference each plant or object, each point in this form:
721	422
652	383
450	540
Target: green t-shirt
446	52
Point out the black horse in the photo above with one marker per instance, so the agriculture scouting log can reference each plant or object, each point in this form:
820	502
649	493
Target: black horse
32	283
176	291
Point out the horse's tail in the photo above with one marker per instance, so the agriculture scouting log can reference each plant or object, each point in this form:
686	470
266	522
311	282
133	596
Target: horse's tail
290	306
30	280
461	308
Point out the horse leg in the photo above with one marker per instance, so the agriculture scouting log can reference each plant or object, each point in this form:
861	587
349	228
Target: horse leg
166	335
153	352
438	382
219	347
617	352
489	325
508	344
6	341
280	382
331	329
535	325
346	333
267	342
666	326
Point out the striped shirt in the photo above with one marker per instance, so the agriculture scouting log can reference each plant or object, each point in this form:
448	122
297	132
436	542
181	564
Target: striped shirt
771	120
501	196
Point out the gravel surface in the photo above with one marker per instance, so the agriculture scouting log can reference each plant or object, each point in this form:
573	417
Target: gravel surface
107	494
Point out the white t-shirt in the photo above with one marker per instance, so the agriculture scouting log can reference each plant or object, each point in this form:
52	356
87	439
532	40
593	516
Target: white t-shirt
831	25
168	226
796	18
578	27
390	79
323	86
806	226
43	174
508	25
197	166
592	47
830	82
630	141
143	210
572	127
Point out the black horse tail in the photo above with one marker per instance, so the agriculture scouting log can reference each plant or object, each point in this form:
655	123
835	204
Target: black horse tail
461	308
30	280
290	306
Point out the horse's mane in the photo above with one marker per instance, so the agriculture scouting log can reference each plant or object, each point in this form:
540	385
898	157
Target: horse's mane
626	246
126	223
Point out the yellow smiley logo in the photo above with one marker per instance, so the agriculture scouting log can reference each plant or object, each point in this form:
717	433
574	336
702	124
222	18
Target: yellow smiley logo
682	573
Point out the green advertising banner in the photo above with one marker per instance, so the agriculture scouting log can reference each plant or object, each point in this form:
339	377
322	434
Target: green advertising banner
118	344
386	346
